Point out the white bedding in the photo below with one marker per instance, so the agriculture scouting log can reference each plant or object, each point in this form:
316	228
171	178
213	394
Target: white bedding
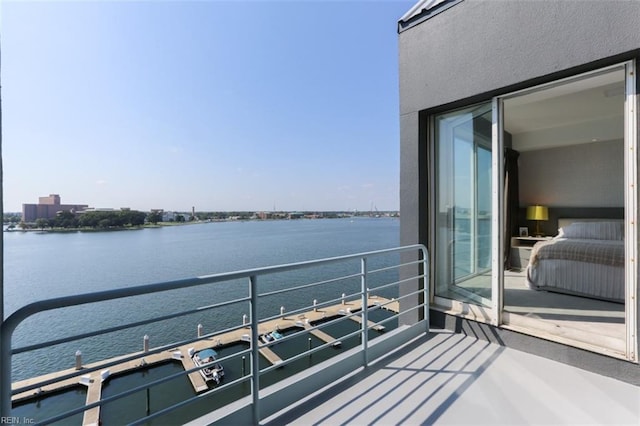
571	274
579	278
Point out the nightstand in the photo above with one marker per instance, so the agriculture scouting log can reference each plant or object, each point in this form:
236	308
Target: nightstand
521	250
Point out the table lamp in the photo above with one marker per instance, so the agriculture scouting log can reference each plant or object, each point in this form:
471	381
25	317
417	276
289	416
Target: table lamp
537	213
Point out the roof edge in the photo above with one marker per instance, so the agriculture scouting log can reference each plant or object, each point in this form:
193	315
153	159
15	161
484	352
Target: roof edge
423	10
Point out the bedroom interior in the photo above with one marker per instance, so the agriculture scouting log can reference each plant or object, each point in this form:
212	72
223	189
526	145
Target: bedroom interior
568	140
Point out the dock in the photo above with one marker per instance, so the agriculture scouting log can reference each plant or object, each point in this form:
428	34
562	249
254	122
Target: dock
196	379
270	355
324	337
371	324
94	380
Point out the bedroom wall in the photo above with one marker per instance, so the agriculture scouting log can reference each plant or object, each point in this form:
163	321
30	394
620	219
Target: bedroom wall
588	175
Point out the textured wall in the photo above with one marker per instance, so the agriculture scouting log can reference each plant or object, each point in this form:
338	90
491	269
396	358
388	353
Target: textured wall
480	46
588	175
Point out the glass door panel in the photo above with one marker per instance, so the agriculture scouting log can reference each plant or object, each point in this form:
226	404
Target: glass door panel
463	199
570	136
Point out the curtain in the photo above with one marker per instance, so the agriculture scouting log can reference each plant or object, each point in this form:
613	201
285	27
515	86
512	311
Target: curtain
511	201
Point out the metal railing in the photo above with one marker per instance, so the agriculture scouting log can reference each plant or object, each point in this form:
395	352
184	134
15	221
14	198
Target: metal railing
409	282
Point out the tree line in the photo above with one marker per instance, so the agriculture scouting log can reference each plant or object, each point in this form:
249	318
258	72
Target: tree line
98	219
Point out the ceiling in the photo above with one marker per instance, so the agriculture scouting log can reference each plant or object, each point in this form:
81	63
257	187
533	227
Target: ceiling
581	111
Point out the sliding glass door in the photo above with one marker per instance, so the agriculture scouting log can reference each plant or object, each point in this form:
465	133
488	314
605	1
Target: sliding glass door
575	141
570	136
463	198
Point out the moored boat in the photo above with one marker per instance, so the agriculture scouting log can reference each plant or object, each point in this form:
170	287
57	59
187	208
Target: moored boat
204	359
271	337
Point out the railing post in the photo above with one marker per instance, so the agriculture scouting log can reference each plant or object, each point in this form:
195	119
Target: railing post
255	367
365	312
425	285
5	371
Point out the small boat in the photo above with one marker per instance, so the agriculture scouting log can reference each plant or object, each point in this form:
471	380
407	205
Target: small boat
213	372
271	337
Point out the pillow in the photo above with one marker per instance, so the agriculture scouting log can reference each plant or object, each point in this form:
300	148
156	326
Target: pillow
613	230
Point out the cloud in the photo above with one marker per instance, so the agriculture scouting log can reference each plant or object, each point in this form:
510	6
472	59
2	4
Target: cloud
368	185
101	182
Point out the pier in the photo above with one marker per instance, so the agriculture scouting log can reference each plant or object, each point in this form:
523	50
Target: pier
94	380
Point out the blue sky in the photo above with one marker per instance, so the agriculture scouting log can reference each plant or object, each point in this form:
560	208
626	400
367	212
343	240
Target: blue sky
241	105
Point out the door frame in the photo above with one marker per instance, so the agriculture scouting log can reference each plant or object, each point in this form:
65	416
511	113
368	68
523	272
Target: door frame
495	314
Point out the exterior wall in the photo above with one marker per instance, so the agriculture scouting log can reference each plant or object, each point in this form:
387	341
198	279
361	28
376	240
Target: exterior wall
478	49
53	199
29	212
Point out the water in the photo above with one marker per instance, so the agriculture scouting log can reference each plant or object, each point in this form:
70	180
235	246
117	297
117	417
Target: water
40	266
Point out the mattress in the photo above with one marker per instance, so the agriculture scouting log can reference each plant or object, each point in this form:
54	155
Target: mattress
587	258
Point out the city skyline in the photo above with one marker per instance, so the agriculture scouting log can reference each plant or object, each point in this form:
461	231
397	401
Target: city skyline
225	106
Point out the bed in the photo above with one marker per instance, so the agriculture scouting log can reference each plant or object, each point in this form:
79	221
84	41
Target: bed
585	259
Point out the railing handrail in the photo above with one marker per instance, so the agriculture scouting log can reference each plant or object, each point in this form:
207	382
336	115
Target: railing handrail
13	320
9	325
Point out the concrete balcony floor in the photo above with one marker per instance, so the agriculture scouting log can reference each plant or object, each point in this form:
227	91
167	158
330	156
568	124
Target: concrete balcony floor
450	378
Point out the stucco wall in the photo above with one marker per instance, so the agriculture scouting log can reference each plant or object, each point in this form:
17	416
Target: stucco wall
478	46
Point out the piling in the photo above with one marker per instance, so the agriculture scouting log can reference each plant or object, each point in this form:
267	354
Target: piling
78	360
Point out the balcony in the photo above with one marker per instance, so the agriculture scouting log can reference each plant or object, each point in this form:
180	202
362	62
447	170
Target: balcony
371	357
333	315
449	378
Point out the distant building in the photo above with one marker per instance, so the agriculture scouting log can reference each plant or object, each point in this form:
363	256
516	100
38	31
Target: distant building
101	209
264	215
47	208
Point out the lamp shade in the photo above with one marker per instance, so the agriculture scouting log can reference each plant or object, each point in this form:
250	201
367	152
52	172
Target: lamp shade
537	213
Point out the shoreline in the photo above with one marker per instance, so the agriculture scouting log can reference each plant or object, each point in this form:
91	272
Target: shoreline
166	224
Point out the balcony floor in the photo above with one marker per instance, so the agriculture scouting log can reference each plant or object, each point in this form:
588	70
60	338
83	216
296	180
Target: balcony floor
450	378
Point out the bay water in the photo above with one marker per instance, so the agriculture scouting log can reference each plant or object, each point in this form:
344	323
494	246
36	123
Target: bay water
44	265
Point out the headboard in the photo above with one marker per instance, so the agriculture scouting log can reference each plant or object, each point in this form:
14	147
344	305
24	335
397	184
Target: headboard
562	222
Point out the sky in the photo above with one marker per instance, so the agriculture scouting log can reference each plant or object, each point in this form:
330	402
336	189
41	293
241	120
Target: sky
217	105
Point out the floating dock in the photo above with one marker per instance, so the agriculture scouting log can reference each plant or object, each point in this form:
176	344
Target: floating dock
93	381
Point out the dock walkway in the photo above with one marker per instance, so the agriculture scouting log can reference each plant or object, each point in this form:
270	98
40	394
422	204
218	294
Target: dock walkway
94	380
